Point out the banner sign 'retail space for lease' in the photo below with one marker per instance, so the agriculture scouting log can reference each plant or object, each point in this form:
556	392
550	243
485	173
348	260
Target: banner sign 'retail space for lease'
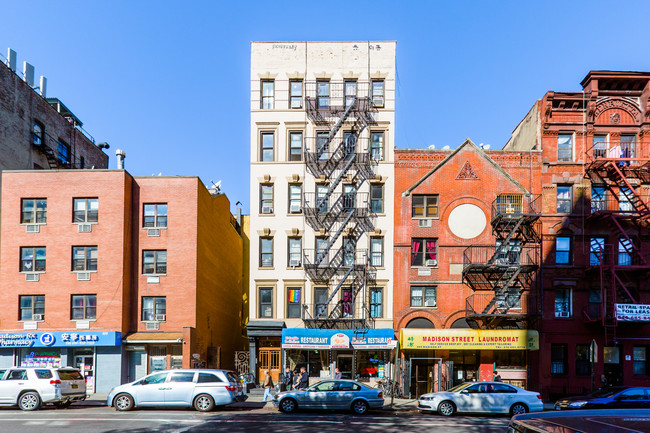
633	312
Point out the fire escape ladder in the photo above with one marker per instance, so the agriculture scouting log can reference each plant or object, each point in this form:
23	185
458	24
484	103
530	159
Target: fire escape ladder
628	191
505	243
618	280
502	292
325	252
629	246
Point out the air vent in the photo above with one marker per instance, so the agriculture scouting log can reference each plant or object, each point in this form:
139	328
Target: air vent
83	276
424	223
37	317
153	280
33	228
161	317
432	262
31	277
85	228
153	233
153	326
430	303
83	324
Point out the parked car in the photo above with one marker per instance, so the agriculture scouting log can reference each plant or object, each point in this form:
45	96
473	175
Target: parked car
581	421
331	394
615	397
30	387
203	389
482	397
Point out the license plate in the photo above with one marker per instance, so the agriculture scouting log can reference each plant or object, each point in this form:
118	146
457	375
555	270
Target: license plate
74	385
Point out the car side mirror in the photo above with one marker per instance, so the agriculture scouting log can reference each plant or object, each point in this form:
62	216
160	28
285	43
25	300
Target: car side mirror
464	391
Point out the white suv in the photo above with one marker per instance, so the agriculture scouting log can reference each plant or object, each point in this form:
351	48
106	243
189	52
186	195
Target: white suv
29	387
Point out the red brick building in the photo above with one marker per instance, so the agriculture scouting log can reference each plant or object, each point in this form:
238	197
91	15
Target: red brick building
466	255
595	180
117	275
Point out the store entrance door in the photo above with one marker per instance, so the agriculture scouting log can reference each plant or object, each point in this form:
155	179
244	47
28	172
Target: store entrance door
268	359
613	367
85	363
344	364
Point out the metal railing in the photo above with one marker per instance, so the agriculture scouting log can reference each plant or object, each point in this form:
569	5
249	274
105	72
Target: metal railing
619	203
516	205
613	149
622	254
513	256
493	304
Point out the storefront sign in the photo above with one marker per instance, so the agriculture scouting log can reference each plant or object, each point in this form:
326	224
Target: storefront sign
60	339
303	338
474	339
633	312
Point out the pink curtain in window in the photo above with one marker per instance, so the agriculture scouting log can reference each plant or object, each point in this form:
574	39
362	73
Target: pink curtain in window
431	250
347	302
415	247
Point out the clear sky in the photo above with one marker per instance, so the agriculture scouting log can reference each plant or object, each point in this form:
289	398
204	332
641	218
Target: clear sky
168	81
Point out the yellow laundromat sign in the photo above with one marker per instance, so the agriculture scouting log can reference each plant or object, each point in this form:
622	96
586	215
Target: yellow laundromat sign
473	339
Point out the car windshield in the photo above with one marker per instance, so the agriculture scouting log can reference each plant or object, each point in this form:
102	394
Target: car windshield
607	392
459	387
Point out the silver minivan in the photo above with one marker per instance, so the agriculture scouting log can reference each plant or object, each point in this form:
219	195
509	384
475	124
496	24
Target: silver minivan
204	389
30	387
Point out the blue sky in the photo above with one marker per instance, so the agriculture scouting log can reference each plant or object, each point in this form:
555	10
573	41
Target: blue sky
167	81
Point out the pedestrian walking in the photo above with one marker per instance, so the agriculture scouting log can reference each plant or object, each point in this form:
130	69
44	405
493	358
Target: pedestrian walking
268	386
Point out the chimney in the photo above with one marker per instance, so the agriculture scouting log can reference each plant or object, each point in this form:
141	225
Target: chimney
120	158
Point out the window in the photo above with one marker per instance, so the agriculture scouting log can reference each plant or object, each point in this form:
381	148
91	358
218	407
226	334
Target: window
347	302
154	262
600	146
295	198
349	142
624	202
597	251
583	364
32	259
322	202
322	145
266	199
509	254
37	131
640	360
628	146
266	146
423	296
321	251
185	376
154	309
323	89
593	307
598	202
155	215
565	147
83	307
31	305
63	155
266	302
509	203
562	250
33	211
377	146
424	252
564	200
625	248
295	251
349	251
376	302
563	308
293	302
320	302
295	146
377	251
84	259
378	93
350	92
86	210
424	206
266	252
349	197
296	94
377	198
559	359
208	378
267	94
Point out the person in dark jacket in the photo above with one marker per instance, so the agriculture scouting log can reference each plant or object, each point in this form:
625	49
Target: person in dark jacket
288	379
303	381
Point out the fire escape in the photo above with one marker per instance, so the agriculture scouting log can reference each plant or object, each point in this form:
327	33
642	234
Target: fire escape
502	276
619	264
339	216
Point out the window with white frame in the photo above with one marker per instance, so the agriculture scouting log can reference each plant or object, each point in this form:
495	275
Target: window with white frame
154	262
295	87
322	202
84	259
599	146
563	250
83	307
32	307
565	147
155	215
350	92
377	93
377	251
323	91
266	252
33	211
423	296
322	145
377	146
32	259
424	252
295	145
266	198
265	302
321	250
266	146
564	199
563	302
295	198
321	295
268	93
376	302
377	198
85	210
295	251
154	308
349	197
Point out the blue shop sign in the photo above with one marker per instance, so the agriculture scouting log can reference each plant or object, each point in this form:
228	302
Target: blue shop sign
60	339
305	338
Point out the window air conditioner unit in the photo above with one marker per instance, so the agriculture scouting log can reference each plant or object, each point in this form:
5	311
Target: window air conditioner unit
37	317
33	228
562	314
429	303
152	326
83	276
153	233
31	277
294	263
424	223
160	317
432	262
85	228
267	209
294	208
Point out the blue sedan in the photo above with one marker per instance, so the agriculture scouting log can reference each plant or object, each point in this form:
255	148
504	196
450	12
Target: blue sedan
331	394
615	397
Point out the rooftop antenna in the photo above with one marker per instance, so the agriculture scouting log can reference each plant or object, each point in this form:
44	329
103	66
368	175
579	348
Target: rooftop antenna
11	59
28	74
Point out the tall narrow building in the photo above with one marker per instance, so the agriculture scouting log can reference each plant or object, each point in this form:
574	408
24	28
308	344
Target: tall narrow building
322	133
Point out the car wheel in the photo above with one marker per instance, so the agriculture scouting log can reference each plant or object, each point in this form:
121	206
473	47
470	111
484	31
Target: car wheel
446	408
123	402
288	405
518	408
359	407
29	401
204	403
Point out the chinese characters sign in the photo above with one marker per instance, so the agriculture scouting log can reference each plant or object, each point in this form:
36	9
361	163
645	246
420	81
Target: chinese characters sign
60	339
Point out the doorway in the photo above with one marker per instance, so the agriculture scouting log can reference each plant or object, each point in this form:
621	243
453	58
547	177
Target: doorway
613	370
269	359
84	360
344	364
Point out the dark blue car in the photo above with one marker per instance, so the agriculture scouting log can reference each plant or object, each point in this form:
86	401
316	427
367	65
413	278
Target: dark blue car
616	397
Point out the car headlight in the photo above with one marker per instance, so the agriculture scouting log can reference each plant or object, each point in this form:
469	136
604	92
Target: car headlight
426	398
576	404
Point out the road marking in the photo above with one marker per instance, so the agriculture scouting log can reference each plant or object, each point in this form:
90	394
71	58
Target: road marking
157	420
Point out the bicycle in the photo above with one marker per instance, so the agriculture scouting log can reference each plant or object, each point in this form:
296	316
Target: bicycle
390	388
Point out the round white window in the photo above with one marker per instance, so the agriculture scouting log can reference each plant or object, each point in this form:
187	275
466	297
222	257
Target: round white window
467	221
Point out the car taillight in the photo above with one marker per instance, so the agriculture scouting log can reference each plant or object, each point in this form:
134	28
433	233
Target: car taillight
539	397
381	395
55	382
231	388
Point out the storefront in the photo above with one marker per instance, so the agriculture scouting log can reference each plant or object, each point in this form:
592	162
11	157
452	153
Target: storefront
362	354
97	354
434	359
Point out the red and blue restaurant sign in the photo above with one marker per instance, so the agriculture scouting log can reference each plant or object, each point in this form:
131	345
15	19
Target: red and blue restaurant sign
60	339
306	338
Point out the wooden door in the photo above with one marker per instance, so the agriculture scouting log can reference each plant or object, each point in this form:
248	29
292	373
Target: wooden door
269	359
